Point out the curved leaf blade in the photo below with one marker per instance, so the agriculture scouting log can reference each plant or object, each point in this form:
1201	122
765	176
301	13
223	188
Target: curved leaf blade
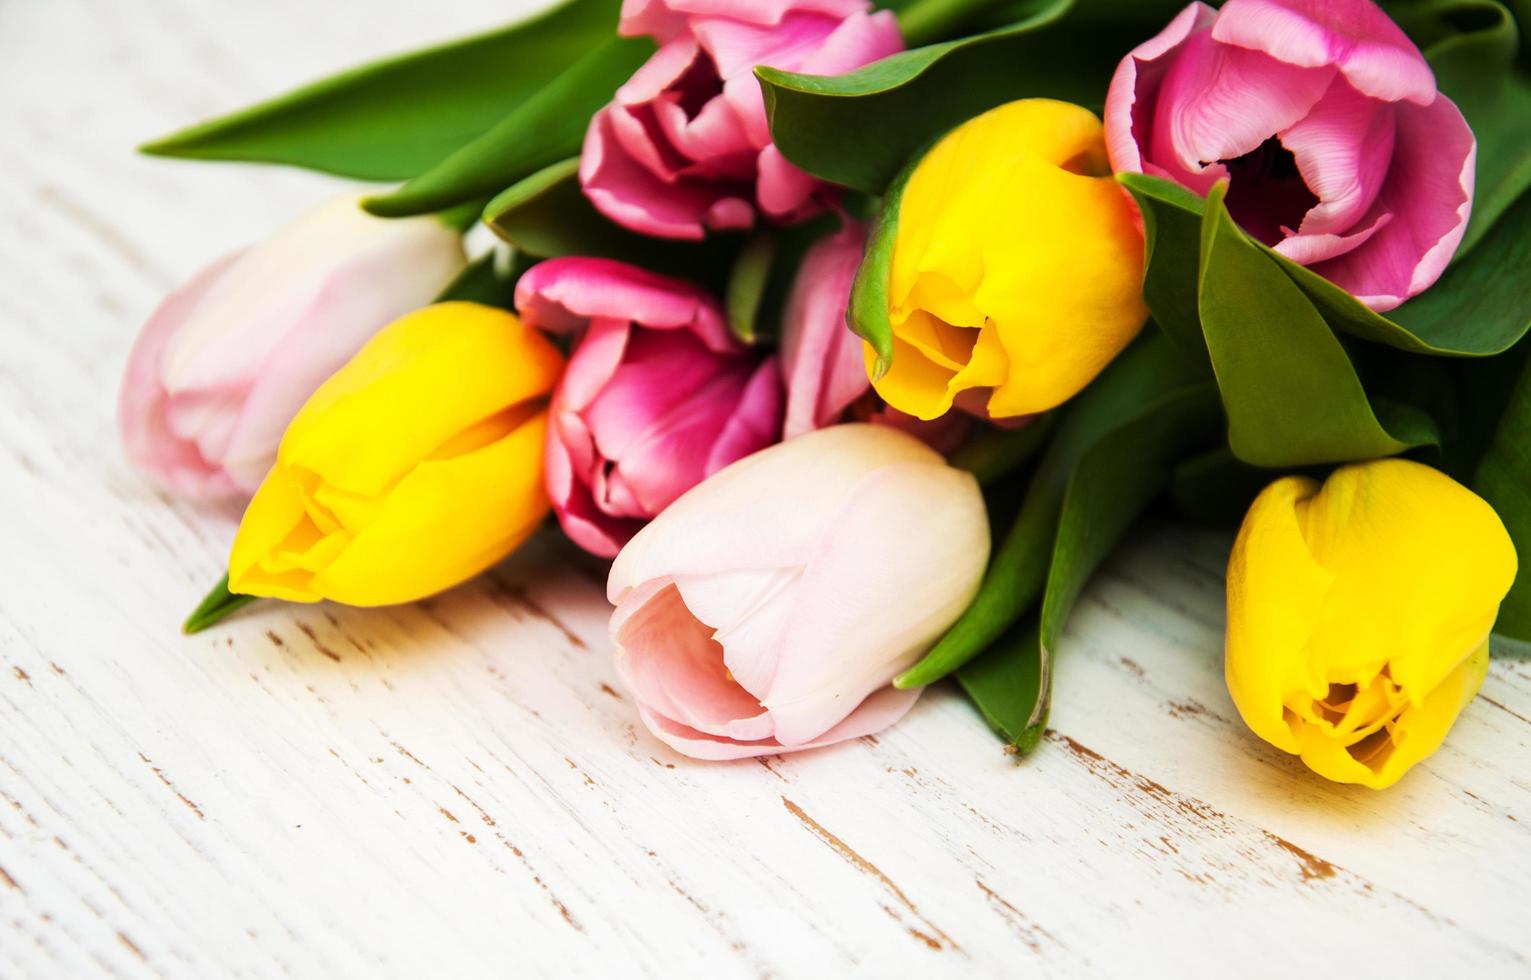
1292	395
1018	570
216	606
395	118
545	128
1114	481
867	312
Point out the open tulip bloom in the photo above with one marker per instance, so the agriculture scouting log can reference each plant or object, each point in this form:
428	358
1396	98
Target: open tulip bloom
793	295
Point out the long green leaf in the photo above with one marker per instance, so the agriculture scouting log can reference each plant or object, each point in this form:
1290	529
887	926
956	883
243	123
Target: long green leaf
217	605
860	128
545	128
396	118
1146	372
1115	479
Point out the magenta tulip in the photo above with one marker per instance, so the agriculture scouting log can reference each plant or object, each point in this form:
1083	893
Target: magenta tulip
1325	120
657	396
227	360
685	148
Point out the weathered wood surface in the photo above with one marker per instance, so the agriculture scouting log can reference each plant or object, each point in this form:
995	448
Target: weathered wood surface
456	787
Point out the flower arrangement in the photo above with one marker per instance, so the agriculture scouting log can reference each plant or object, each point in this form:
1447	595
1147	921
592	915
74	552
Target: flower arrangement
857	338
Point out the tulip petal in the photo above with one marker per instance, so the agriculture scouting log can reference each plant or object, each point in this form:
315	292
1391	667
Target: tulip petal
1428	193
1371	51
627	193
669	661
662	17
852	632
748	610
821	358
1205	112
1342	149
877	712
148	437
754	422
563	295
1134	90
726	523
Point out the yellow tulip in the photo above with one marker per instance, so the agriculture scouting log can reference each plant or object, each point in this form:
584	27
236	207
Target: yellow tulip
1017	265
1359	614
414	467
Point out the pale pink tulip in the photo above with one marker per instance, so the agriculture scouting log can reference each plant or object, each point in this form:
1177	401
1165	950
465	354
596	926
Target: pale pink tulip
684	148
227	360
1324	118
656	397
769	608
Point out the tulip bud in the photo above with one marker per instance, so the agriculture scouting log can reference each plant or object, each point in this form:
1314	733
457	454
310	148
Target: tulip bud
768	609
657	396
1359	614
227	360
1017	267
413	468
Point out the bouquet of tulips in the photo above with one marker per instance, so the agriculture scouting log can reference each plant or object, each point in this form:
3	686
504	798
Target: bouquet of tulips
858	337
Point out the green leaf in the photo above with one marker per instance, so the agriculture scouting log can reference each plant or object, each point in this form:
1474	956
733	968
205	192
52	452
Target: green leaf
1006	683
1503	478
217	605
546	215
859	129
1114	481
543	129
489	280
1216	487
867	312
1290	390
396	118
1135	384
1172	252
1473	310
747	283
993	453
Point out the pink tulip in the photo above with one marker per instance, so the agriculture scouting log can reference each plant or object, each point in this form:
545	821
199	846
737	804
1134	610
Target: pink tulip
1324	118
227	360
823	363
657	396
685	148
768	609
821	360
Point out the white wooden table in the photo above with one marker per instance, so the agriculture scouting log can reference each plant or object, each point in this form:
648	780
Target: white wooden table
456	787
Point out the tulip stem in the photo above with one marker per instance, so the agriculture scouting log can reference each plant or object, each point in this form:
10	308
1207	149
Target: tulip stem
218	604
926	21
994	453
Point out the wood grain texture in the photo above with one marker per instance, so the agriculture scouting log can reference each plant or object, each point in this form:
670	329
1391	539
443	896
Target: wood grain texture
458	786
